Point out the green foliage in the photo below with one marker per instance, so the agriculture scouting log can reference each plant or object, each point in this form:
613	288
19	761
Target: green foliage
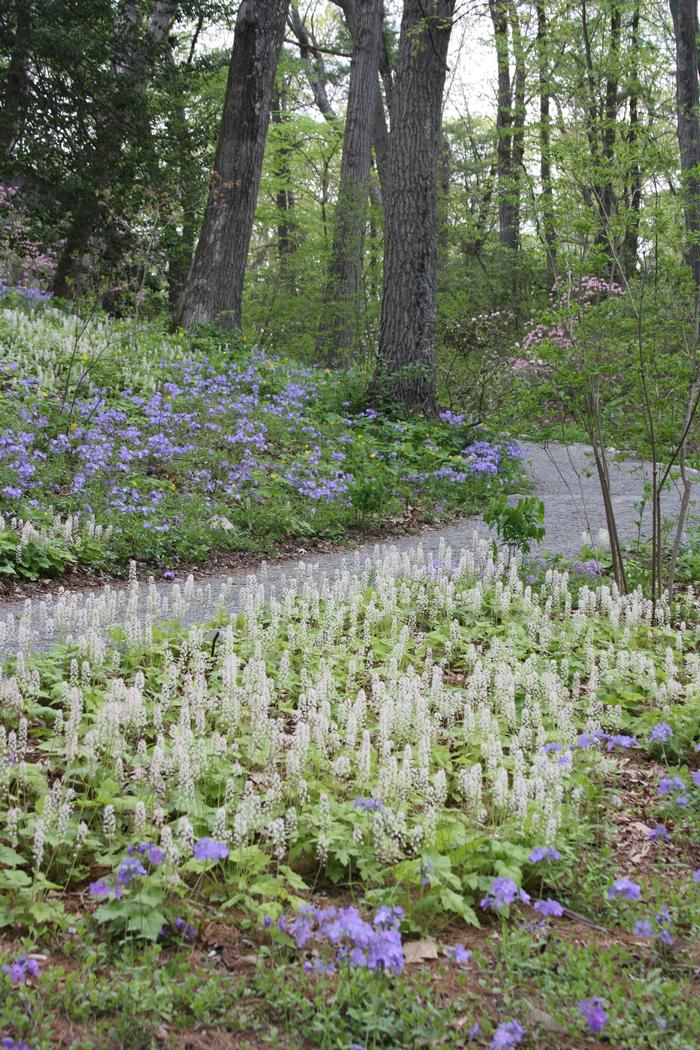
517	524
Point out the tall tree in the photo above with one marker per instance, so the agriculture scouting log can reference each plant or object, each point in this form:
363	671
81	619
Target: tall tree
633	189
685	27
133	56
510	119
16	94
547	190
406	363
214	288
340	329
287	227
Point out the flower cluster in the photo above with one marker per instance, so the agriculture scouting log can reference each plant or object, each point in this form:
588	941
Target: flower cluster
21	970
144	433
349	937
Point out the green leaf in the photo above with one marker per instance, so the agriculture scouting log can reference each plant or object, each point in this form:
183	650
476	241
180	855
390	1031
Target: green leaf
148	924
455	903
272	886
10	857
15	879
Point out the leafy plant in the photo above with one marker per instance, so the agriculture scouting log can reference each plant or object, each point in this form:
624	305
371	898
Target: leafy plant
517	524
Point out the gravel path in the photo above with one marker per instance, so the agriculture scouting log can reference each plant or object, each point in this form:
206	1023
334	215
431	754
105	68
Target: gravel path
563	477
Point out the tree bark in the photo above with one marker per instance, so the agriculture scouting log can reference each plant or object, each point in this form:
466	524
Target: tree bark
16	86
287	227
406	363
341	329
546	186
510	120
685	28
634	192
214	289
607	204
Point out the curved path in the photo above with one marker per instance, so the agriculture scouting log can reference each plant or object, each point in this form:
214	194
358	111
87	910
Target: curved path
562	476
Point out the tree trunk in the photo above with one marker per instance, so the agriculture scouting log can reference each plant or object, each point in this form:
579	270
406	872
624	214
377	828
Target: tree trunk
506	218
313	64
406	364
634	193
214	289
547	190
132	62
287	228
16	85
607	204
341	329
444	174
685	27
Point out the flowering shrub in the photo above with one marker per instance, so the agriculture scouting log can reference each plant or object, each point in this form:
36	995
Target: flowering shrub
181	447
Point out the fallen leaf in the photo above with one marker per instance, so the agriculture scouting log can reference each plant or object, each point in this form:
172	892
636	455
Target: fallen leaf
418	951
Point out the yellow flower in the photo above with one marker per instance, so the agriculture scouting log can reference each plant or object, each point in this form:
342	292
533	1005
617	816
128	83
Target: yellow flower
172	485
373	455
273	475
74	426
84	357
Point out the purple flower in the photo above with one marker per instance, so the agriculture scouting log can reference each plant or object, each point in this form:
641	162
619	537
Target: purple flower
388	918
368	804
642	928
128	870
695	777
317	965
552	746
681	800
20	970
508	1034
502	893
13	1044
667	785
548	907
473	1032
185	929
661	733
659	832
696	875
459	955
207	849
544	853
585	740
620	740
267	922
593	1014
624	888
101	888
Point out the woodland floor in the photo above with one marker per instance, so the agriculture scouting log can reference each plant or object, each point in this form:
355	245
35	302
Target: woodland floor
563	476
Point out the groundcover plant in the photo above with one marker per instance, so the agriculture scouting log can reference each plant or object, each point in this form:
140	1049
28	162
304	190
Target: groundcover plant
119	442
419	760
